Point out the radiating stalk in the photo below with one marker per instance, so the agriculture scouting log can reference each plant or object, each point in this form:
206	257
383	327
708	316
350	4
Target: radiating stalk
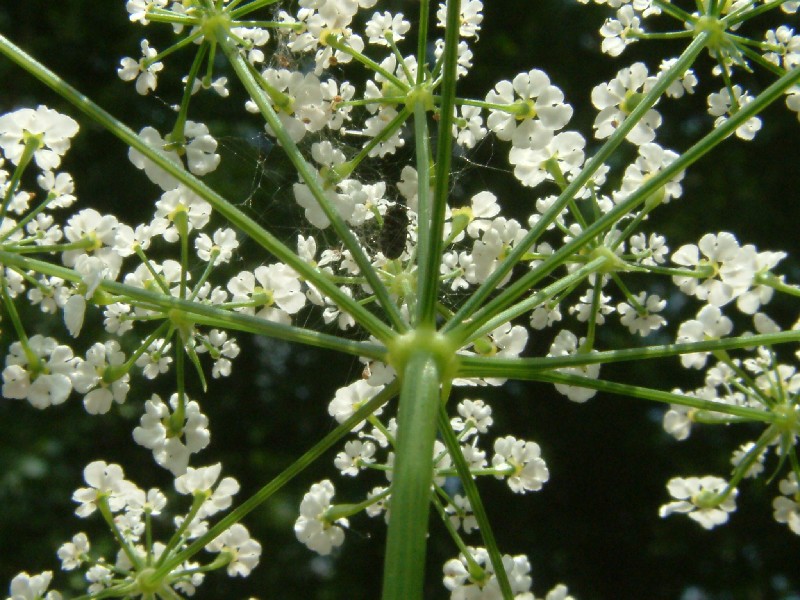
519	368
428	293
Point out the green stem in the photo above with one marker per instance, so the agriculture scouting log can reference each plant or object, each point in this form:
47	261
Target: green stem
30	216
520	368
422	39
425	263
32	144
384	134
478	509
404	562
432	254
178	136
674	11
623	389
252	6
19	328
338	43
538	298
748	13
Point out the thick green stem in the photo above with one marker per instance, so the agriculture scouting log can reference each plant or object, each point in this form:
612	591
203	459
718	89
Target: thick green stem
404	562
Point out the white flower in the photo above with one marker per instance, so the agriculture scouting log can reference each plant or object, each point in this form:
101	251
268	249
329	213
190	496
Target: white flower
678	419
107	483
156	359
312	527
545	315
564	152
199	482
566	344
585	308
144	71
32	587
224	243
495	243
684	84
138	9
46	383
356	454
651	161
182	199
155	173
73	554
731	268
469	19
90	380
521	462
468	127
100	577
620	32
787	507
350	398
460	514
275	291
383	25
458	579
710	324
756	467
344	204
243	550
302	109
650	251
482	209
53	129
463	60
616	100
540	105
721	105
200	147
699	497
476	417
642	320
158	431
59	186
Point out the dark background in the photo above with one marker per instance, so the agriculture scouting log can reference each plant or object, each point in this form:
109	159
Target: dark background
594	526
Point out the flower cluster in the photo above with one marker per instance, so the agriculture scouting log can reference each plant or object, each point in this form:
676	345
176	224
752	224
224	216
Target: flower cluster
321	524
735	55
144	566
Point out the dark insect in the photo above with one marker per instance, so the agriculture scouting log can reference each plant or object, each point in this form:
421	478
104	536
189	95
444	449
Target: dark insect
392	239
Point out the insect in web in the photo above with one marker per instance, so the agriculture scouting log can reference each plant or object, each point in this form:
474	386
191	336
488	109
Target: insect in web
392	239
